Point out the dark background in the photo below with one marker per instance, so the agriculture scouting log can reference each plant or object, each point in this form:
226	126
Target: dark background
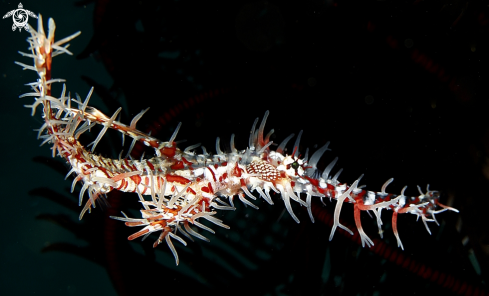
398	87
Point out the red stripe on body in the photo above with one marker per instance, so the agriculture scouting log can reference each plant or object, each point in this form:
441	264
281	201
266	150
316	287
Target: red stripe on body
136	179
210	187
213	175
313	181
145	182
176	178
188	163
177	166
169	151
121	186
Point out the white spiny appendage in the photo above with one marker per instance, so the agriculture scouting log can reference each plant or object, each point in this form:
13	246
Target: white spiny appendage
184	186
137	117
384	187
396	234
246	202
288	206
327	170
104	130
337	210
172	139
365	239
312	163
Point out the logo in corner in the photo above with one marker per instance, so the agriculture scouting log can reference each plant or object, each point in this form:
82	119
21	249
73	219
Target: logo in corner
20	16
